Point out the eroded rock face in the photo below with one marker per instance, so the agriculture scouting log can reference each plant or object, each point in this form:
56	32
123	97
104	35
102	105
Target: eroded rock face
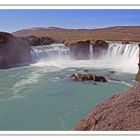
79	50
88	77
99	48
35	41
118	113
13	51
137	78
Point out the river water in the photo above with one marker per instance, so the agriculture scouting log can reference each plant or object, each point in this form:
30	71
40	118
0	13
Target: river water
42	96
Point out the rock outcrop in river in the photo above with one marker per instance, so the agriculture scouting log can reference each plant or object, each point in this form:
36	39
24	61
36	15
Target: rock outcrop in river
119	113
87	77
13	51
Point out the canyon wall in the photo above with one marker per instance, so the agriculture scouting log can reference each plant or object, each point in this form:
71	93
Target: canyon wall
137	78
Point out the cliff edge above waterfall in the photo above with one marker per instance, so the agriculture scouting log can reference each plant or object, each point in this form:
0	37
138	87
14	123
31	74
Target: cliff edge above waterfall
119	113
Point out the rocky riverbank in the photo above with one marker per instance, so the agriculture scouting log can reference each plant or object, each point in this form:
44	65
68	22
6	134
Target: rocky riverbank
137	78
118	113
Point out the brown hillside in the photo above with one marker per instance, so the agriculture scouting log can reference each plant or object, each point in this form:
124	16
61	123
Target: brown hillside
121	33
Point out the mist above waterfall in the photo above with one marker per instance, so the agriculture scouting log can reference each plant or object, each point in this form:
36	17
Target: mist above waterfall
119	57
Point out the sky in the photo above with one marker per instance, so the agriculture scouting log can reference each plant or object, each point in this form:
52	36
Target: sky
13	20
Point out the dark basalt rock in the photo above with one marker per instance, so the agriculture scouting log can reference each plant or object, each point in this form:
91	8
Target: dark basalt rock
100	79
88	77
13	51
125	42
100	48
79	50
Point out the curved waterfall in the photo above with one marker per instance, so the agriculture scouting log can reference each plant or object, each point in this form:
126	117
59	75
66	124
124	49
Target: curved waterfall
119	56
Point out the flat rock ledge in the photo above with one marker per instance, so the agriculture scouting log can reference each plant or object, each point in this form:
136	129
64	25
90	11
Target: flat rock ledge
118	113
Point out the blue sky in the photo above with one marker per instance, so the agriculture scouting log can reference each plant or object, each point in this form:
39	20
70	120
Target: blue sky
13	20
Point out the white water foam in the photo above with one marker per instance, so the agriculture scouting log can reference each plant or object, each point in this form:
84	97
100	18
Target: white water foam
31	79
50	52
121	82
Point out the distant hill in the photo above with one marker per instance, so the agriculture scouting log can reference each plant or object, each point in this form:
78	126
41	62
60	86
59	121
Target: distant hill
117	33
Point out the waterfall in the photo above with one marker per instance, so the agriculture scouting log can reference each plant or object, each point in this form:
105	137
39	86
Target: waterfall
127	52
130	51
91	51
50	52
119	56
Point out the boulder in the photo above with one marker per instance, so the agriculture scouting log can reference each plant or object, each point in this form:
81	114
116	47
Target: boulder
88	77
100	48
79	50
13	51
100	79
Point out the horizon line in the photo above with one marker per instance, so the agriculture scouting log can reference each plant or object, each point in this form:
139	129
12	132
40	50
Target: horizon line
66	28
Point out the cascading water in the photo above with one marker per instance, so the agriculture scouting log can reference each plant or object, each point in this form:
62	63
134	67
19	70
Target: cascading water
91	50
123	57
50	52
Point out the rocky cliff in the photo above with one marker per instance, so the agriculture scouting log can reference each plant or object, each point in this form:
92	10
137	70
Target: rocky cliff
99	48
13	51
120	112
138	73
81	49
